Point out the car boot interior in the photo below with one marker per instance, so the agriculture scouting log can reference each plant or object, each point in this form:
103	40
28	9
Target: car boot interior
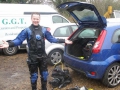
81	47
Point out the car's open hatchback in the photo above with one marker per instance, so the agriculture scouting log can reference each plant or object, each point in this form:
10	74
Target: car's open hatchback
83	13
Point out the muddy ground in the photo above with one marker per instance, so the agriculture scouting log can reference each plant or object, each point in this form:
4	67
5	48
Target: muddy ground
14	75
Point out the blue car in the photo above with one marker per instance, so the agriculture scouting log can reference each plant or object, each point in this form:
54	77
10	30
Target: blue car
96	44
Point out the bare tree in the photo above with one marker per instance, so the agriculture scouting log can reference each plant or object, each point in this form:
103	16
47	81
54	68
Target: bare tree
13	1
34	1
102	5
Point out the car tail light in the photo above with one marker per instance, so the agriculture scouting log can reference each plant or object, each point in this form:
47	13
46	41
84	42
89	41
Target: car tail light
98	44
93	73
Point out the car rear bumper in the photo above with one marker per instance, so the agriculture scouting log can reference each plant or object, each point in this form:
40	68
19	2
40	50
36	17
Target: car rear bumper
86	66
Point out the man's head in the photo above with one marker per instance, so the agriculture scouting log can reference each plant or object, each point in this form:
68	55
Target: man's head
35	18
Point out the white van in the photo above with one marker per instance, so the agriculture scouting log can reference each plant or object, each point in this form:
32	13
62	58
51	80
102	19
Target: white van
16	17
116	13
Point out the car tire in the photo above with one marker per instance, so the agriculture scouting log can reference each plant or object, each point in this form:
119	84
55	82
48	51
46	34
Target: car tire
55	56
112	75
10	51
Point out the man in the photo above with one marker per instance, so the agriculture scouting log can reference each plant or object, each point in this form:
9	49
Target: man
35	35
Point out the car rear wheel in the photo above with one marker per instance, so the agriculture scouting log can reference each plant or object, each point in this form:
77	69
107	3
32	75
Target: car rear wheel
112	75
10	50
55	57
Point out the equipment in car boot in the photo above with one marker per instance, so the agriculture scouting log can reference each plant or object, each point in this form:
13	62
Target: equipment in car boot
61	77
88	49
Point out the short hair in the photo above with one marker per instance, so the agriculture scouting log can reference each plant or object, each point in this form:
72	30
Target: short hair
37	13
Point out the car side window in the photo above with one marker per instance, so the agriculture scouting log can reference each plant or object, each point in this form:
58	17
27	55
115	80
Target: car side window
88	33
58	19
74	28
62	32
116	36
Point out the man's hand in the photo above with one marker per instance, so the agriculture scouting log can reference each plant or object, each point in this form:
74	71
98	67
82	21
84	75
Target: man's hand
4	44
68	41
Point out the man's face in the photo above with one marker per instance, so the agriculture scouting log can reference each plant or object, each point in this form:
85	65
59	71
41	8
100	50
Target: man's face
35	19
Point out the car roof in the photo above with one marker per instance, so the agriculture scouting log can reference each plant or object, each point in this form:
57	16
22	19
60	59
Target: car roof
113	20
113	26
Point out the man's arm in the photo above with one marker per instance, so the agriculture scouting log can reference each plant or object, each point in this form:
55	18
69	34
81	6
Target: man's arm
51	39
17	41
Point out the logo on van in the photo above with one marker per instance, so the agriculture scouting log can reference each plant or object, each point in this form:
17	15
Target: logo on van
13	21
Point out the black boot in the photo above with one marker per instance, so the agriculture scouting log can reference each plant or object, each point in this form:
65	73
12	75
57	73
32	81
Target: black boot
44	85
34	86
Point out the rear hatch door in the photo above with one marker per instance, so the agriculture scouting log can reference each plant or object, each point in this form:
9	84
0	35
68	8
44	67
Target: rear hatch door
84	13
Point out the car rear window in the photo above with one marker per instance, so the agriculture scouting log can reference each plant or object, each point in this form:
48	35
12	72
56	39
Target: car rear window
86	15
88	33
